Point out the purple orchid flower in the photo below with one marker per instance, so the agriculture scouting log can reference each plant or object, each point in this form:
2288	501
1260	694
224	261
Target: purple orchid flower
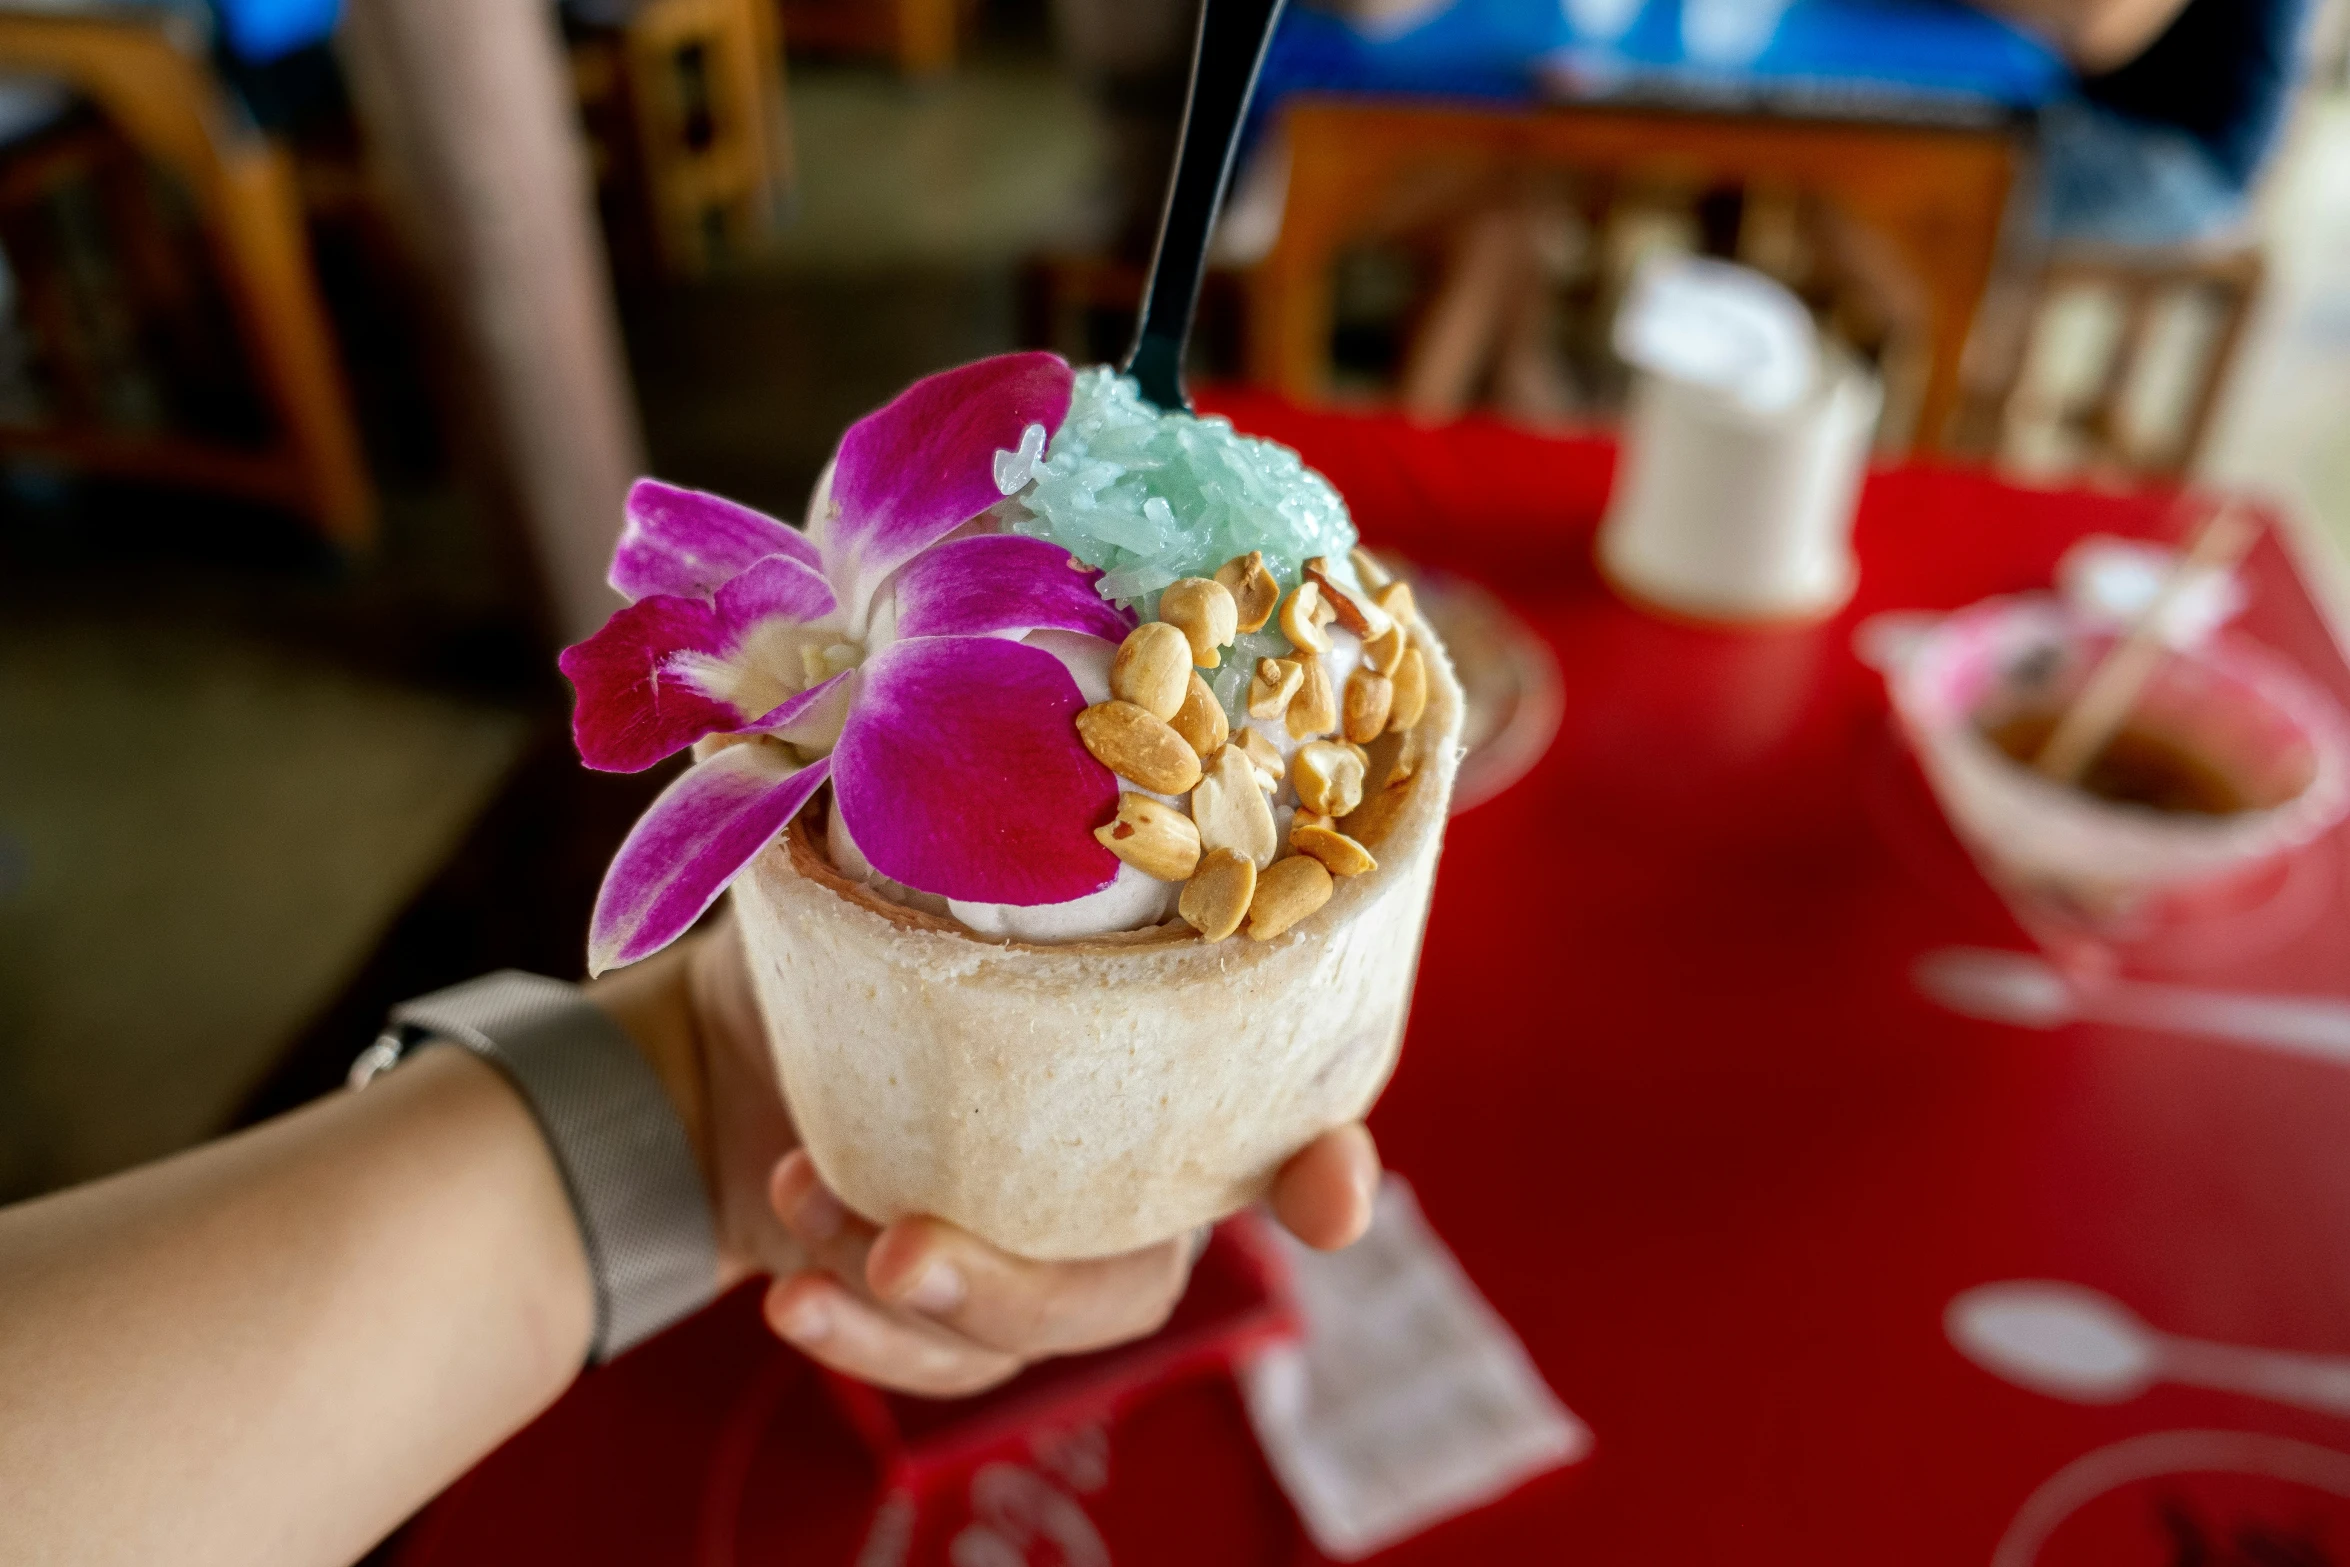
876	642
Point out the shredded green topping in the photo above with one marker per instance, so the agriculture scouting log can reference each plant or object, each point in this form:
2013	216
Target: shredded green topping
1150	497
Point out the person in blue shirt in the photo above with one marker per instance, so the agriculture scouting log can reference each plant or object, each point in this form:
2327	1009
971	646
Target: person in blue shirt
2177	109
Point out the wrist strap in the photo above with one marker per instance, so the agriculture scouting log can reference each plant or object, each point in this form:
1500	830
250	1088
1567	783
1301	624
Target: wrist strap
635	1188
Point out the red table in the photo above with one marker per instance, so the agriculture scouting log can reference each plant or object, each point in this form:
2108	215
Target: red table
1671	1096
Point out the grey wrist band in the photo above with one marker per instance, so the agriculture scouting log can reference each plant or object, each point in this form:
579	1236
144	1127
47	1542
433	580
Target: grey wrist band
644	1217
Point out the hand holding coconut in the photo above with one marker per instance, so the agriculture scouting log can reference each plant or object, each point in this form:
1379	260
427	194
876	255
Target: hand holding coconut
919	1306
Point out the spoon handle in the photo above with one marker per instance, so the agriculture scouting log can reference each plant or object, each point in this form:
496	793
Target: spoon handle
2298	1025
2319	1382
1232	39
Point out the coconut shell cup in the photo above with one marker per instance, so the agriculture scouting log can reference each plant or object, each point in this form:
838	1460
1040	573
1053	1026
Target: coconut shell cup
1088	1098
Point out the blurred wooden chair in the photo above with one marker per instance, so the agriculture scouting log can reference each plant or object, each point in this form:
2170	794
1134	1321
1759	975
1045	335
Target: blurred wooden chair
162	135
685	110
2116	362
1915	212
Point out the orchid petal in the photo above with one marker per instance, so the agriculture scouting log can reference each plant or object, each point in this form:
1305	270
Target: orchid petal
687	542
666	671
960	773
777	588
700	833
1003	582
912	471
635	705
812	718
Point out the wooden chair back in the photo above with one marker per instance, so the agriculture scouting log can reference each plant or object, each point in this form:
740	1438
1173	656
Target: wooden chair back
1910	216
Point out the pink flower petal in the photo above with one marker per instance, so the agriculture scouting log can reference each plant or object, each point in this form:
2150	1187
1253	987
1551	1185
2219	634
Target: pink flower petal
812	718
917	468
635	705
960	773
666	671
696	837
777	588
1003	582
686	542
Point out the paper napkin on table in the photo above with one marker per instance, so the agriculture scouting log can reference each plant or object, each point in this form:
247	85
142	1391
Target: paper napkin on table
1407	1400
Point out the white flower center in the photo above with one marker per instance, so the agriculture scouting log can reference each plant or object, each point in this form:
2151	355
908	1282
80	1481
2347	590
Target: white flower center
820	664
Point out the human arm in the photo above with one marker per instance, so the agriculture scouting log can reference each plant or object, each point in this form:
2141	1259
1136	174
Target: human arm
275	1347
2096	35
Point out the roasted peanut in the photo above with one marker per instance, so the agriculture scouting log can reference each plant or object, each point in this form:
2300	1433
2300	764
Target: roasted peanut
1301	817
1358	614
1286	893
1396	599
1339	854
1314	710
1368	571
1256	593
1383	652
1153	837
1133	744
1228	806
1201	719
1329	777
1272	686
1265	755
1203	611
1411	692
1217	897
1303	615
1153	669
1368	697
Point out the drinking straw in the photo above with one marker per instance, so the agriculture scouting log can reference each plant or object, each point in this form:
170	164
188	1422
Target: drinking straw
2112	688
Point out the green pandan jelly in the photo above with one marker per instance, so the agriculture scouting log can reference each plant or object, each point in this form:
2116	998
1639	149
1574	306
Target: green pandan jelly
1150	497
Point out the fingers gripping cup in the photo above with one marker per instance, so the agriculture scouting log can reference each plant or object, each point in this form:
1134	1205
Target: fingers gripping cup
1080	786
2228	761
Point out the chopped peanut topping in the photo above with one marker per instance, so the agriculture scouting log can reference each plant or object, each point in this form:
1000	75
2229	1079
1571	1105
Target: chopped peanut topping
1368	571
1368	698
1411	692
1255	590
1329	777
1286	893
1265	755
1217	897
1314	710
1339	854
1204	612
1153	837
1396	599
1303	615
1133	744
1228	806
1273	685
1360	616
1153	669
1201	719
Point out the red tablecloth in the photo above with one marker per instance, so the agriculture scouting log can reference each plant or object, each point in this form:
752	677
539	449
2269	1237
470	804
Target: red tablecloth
1672	1098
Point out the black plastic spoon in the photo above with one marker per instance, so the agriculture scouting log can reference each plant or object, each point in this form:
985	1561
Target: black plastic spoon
1224	65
